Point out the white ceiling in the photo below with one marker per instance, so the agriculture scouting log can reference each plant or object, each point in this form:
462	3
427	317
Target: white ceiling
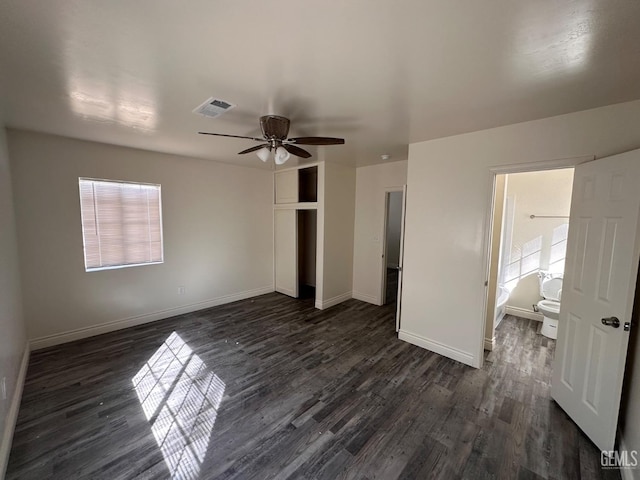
381	74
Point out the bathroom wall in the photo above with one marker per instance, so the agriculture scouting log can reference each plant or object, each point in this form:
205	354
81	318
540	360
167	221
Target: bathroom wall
537	243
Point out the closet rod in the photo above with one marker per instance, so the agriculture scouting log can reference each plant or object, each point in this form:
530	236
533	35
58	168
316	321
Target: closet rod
548	216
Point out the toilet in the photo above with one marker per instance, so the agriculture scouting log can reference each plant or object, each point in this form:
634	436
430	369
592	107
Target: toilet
551	290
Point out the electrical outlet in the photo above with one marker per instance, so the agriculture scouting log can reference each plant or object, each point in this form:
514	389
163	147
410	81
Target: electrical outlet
182	290
3	388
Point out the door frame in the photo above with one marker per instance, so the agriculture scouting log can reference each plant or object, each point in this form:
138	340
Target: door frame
383	240
570	162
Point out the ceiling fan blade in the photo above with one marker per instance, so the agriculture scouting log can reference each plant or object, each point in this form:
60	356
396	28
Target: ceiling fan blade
317	141
297	151
253	149
232	136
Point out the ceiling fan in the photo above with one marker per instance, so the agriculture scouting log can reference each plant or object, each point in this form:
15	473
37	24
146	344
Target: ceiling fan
275	130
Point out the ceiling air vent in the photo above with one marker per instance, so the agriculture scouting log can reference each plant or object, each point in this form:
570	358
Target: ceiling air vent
213	107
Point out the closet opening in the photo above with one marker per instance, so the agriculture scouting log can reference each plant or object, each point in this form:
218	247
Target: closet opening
307	234
308	184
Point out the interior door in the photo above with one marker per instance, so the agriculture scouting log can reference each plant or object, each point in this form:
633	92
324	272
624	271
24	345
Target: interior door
401	257
598	289
286	251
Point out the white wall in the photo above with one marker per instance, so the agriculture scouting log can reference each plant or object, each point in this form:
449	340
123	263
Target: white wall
337	245
394	226
12	330
369	226
448	212
218	236
538	193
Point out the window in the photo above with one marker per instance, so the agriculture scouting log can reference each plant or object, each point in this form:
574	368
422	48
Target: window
524	260
121	223
558	248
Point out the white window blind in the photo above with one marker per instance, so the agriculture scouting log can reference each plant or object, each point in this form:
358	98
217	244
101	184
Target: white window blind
121	223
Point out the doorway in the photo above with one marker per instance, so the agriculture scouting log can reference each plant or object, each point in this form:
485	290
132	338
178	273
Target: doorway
392	249
393	232
307	234
599	287
529	241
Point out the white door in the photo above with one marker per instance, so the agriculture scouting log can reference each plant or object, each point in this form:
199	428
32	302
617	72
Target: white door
286	251
401	257
286	186
599	284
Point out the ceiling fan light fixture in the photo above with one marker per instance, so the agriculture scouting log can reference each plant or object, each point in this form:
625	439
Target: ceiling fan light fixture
263	153
281	155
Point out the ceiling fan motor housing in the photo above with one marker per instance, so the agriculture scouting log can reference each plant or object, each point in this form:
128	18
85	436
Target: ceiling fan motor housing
274	126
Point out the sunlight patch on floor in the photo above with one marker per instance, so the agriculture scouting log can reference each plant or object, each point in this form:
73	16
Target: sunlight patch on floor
180	397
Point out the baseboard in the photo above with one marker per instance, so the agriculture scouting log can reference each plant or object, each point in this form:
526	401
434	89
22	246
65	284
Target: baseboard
365	298
322	304
80	333
489	343
523	313
287	292
437	347
626	473
12	415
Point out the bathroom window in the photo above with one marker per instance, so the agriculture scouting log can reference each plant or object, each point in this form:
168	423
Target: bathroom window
531	256
524	260
121	224
558	248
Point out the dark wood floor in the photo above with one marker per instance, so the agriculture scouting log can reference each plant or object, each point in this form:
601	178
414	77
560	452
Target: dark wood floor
272	388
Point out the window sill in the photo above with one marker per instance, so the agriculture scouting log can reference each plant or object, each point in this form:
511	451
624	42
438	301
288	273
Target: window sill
115	267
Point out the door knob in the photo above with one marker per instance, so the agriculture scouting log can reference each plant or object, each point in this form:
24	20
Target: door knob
611	321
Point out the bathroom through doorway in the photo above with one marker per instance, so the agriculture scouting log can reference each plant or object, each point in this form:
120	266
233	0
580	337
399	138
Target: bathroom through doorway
530	225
